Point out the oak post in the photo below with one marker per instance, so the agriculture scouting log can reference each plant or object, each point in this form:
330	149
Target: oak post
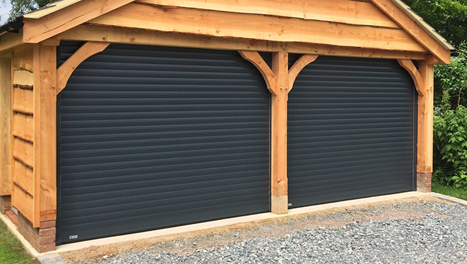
425	129
279	183
45	97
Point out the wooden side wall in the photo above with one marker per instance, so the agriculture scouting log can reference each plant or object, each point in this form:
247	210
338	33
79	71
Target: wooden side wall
5	126
22	165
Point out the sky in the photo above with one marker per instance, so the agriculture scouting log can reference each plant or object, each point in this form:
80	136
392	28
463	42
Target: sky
4	10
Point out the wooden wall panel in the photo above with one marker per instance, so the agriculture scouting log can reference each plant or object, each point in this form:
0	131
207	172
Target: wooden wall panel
23	152
22	100
23	126
23	201
5	126
23	177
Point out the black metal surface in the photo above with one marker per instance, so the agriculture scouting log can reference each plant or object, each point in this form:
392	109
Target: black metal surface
351	131
153	137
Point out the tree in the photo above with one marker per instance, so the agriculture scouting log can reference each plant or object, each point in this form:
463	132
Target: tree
20	7
447	17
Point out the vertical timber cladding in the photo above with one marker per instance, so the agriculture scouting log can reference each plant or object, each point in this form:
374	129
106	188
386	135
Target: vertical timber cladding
152	137
351	131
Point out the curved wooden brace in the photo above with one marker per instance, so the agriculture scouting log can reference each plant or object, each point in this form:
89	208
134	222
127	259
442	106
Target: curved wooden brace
268	75
298	66
415	74
66	69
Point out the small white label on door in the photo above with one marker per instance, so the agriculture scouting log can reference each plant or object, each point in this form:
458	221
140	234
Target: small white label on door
74	237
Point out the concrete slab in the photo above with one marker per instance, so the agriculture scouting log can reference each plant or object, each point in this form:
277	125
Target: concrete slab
232	221
450	198
51	259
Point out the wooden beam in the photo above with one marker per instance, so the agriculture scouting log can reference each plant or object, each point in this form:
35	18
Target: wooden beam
9	41
5	126
415	30
425	121
37	30
66	69
417	78
45	95
268	75
157	38
279	181
298	66
341	11
224	24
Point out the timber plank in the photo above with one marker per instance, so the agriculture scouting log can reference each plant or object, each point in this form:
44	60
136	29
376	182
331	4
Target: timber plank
23	177
22	57
5	126
37	30
23	78
223	24
23	152
23	126
157	38
341	11
23	100
22	201
425	121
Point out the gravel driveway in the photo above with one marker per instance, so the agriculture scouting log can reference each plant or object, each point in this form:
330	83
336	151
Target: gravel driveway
412	231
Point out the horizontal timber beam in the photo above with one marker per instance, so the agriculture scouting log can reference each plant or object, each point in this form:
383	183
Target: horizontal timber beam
340	11
9	41
157	38
224	24
37	30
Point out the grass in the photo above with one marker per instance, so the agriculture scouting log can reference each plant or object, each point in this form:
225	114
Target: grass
11	250
448	190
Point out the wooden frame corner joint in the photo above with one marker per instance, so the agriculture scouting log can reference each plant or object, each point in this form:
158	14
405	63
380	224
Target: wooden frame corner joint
269	76
409	66
298	66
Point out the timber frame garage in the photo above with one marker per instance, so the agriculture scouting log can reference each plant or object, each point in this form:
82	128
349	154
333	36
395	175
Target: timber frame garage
126	116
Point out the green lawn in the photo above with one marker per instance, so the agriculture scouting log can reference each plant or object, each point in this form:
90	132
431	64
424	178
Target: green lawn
438	188
11	250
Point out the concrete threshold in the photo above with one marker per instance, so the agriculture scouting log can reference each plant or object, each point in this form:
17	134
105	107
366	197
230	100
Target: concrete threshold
230	222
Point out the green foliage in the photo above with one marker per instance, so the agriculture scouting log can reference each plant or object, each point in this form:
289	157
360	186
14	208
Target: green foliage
450	145
448	17
453	79
20	7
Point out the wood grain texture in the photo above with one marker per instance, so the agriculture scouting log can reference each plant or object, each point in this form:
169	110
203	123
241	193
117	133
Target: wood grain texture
279	180
37	30
425	121
45	97
224	24
22	126
341	11
416	77
10	41
66	69
23	151
298	66
23	201
416	31
23	177
22	58
268	75
23	100
157	38
5	126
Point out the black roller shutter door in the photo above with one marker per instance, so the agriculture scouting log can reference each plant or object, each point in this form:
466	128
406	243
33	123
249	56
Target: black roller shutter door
351	131
152	137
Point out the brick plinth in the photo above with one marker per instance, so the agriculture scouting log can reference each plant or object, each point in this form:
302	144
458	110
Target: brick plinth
5	204
424	182
43	238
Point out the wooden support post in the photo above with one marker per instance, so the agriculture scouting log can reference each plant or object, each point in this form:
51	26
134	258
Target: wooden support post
279	183
279	82
5	126
425	129
45	97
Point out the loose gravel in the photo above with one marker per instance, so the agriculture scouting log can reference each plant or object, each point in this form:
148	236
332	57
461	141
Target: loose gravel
438	234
